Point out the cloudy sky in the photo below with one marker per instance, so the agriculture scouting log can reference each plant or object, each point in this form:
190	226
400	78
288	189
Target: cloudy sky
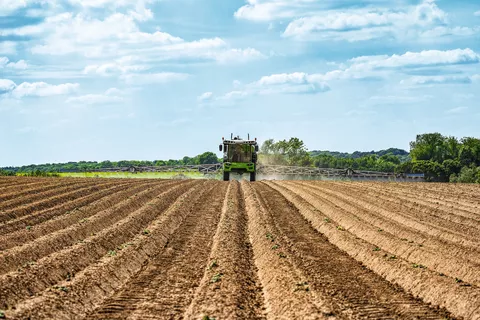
159	79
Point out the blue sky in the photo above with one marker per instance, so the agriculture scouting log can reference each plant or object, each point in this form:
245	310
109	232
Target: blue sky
147	79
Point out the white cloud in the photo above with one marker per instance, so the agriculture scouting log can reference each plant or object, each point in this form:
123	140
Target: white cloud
35	89
239	55
20	65
153	78
6	85
112	95
119	35
477	13
284	83
419	59
432	80
10	6
5	63
422	21
456	110
205	96
267	10
120	66
42	89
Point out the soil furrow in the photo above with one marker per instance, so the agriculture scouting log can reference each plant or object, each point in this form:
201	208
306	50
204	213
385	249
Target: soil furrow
469	204
353	290
391	236
278	277
236	294
90	287
37	276
74	224
51	202
26	190
434	288
58	189
411	217
166	285
437	210
42	216
111	196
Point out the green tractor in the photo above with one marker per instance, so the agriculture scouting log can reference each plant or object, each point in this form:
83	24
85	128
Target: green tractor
239	156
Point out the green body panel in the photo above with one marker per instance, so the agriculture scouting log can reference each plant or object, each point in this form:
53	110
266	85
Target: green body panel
238	167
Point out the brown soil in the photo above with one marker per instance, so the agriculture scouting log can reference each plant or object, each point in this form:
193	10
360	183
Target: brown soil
200	249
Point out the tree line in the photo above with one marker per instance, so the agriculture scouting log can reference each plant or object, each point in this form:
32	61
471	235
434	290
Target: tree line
294	152
85	166
440	158
444	158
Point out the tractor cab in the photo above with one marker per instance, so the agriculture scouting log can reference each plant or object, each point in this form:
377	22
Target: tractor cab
239	156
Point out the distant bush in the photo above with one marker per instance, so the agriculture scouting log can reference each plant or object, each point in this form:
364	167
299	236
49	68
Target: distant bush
38	173
467	175
6	173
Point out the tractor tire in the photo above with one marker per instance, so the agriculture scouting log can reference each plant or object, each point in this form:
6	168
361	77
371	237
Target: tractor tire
252	176
226	176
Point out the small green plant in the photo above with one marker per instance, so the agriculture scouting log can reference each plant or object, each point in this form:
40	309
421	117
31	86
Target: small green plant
380	230
327	220
340	228
112	253
275	247
29	228
216	278
2	314
376	249
213	264
457	280
146	231
282	255
208	318
404	239
61	288
84	220
421	266
270	237
393	257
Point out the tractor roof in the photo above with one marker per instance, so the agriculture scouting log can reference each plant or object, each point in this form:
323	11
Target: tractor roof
252	142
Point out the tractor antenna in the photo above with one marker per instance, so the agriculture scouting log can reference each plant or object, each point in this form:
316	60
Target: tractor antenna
249	136
231	136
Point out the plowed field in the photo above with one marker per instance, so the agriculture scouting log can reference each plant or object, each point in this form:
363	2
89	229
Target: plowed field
205	249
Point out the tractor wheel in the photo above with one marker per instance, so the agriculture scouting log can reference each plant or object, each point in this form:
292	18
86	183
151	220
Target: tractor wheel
226	176
252	176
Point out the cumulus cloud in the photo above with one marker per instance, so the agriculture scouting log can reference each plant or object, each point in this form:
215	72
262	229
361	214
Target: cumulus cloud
19	65
120	35
10	6
284	83
205	96
419	59
424	20
456	110
123	65
42	89
6	85
432	80
112	95
35	89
